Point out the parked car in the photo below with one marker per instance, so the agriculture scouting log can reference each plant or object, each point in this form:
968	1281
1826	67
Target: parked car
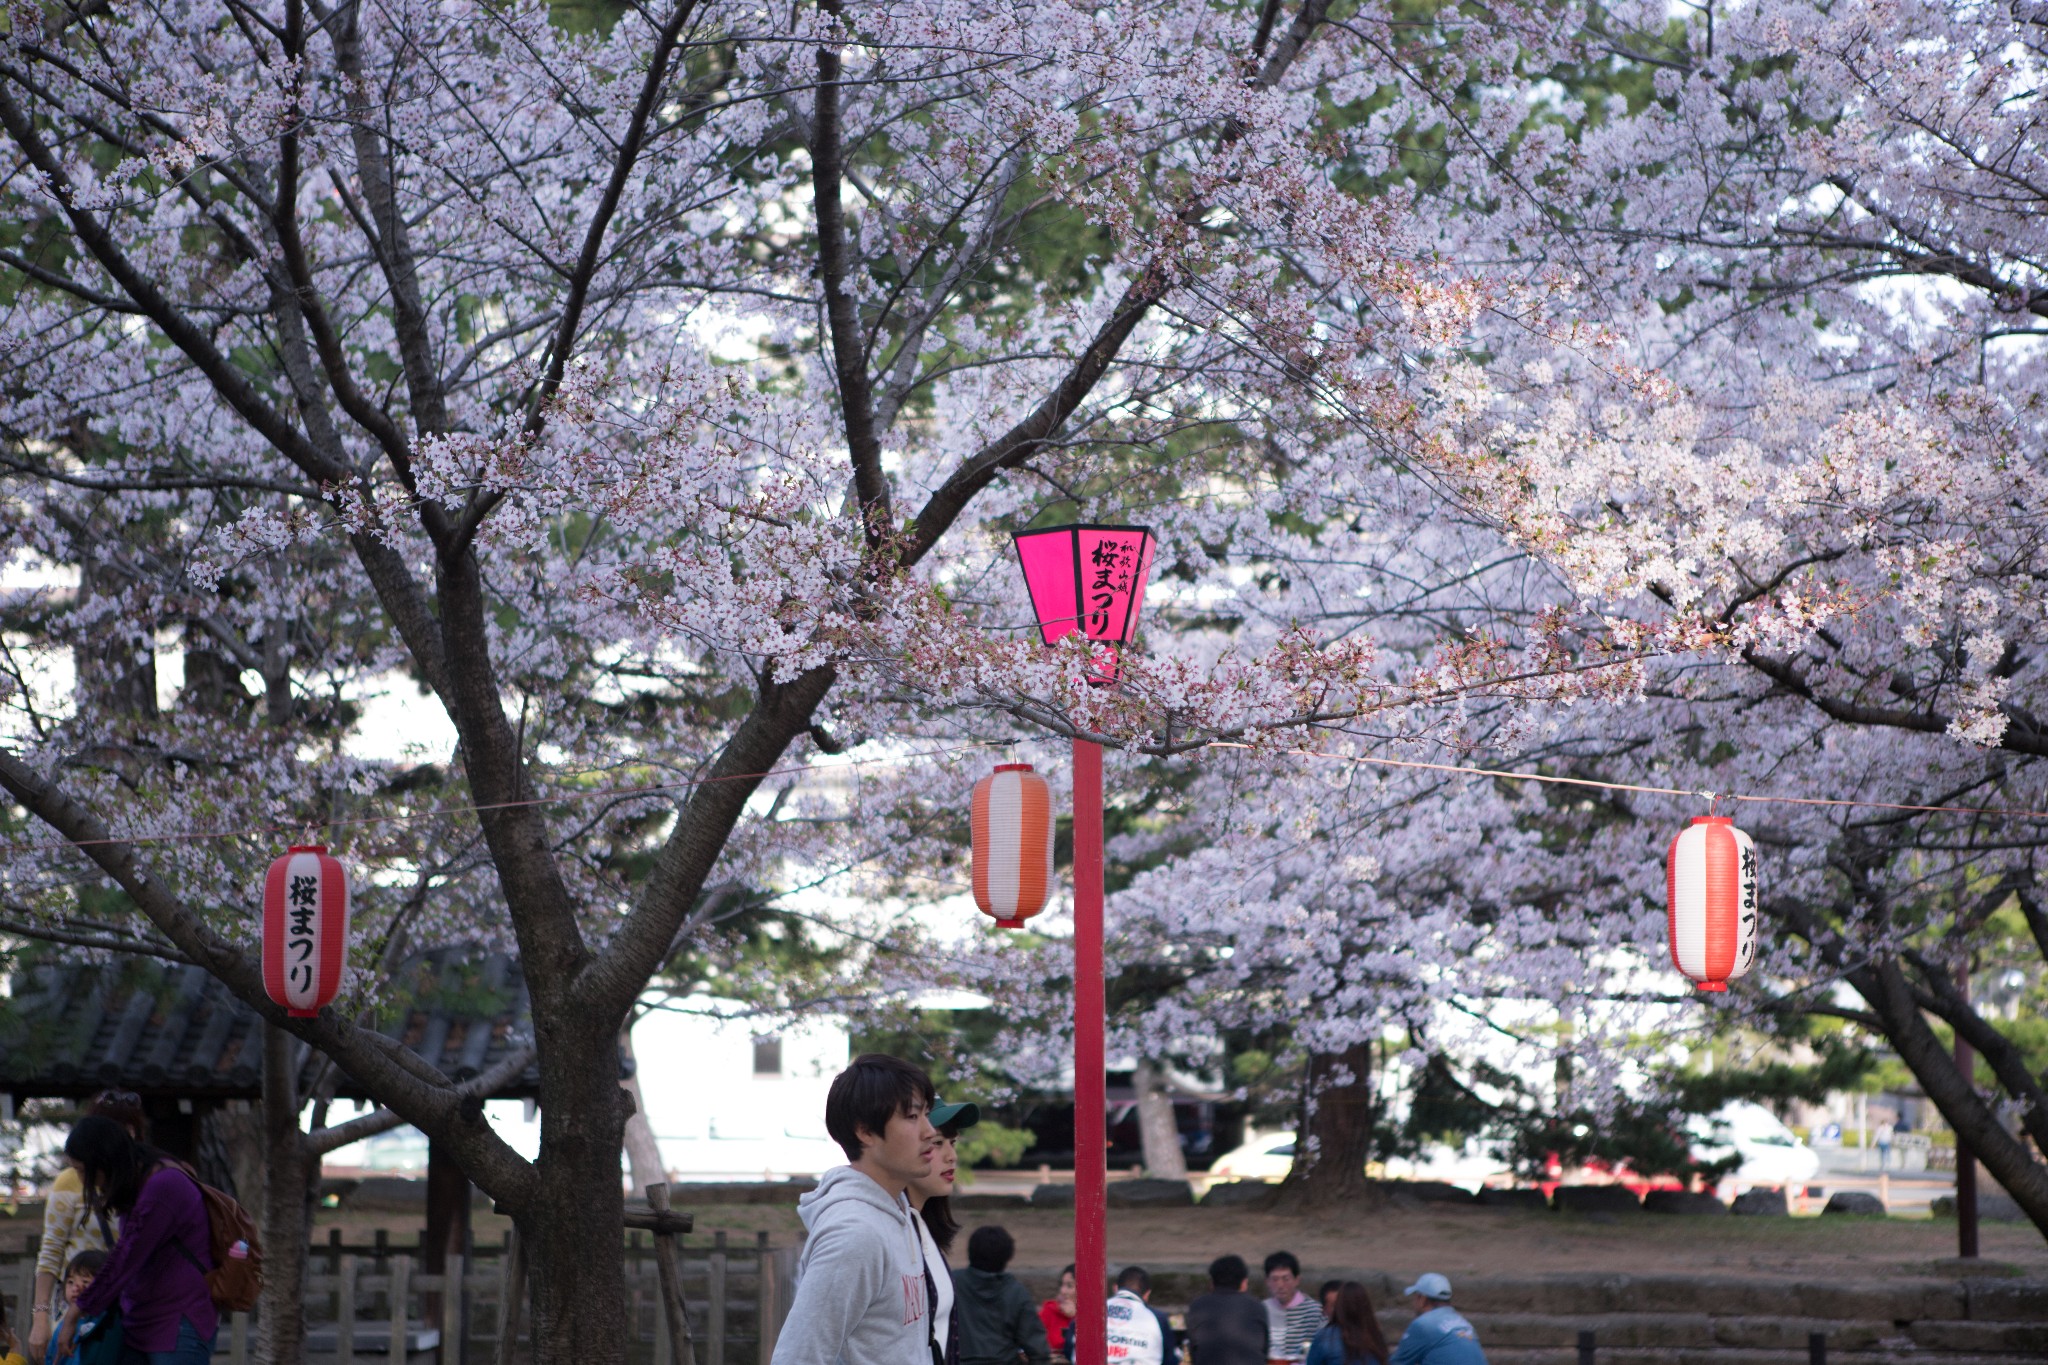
1265	1156
1772	1154
1270	1156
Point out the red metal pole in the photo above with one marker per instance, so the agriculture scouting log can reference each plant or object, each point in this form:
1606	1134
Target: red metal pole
1091	1157
1966	1160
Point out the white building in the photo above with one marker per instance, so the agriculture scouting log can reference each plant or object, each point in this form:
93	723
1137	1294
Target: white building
731	1099
728	1096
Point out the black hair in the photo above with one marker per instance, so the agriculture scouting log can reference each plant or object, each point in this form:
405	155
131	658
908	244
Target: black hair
873	1089
123	1107
87	1262
1228	1272
1283	1260
112	1163
1134	1278
940	1222
990	1249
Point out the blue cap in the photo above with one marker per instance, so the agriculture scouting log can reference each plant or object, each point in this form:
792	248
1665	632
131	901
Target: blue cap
1430	1286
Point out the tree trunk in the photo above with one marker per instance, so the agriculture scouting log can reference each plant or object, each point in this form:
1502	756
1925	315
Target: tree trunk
574	1227
2008	1158
1157	1131
1334	1139
280	1314
238	1127
643	1154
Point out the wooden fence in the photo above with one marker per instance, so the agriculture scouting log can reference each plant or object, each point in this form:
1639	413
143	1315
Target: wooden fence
737	1298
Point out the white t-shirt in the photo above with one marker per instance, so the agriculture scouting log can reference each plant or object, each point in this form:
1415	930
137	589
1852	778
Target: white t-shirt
942	1280
1134	1336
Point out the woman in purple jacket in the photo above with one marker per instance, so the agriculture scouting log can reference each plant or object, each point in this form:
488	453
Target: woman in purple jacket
157	1269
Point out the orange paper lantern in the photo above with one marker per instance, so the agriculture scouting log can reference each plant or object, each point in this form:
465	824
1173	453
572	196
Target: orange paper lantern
1011	819
1711	881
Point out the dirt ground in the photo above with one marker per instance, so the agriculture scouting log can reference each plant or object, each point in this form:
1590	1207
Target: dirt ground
1476	1241
1401	1241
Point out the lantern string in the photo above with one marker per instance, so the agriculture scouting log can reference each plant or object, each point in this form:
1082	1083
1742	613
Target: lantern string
648	789
310	828
1560	780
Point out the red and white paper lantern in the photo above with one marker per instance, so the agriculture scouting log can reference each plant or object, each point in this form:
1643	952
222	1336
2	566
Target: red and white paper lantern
1011	818
305	929
1711	873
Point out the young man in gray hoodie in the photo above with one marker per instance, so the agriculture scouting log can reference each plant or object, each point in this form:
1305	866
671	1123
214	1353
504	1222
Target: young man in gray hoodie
860	1290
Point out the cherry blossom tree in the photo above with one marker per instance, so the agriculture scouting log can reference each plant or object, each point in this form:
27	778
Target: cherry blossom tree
656	400
1821	225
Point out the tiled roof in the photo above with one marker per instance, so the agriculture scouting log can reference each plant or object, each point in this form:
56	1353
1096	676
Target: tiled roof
164	1029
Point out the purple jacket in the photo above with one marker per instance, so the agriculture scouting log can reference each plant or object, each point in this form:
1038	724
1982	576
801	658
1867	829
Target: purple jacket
155	1283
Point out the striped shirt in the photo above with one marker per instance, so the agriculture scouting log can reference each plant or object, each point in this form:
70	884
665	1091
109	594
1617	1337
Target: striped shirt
1291	1327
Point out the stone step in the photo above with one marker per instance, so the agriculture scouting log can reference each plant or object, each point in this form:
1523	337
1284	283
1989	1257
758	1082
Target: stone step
1725	1355
1899	1299
1700	1331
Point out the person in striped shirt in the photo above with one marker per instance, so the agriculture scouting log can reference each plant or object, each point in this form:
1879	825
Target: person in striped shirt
1292	1317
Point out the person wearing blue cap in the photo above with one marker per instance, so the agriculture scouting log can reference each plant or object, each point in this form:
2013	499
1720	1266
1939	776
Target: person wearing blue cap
1439	1335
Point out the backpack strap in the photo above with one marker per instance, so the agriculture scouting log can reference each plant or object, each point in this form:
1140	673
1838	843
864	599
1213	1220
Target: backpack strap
204	1212
186	1252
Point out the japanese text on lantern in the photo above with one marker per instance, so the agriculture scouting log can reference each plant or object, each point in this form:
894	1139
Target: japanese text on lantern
1112	563
301	940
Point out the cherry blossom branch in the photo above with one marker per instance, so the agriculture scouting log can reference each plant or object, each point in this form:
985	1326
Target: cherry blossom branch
2021	738
110	943
849	348
577	295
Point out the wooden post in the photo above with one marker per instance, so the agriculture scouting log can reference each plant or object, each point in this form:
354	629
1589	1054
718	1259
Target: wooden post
511	1295
669	1266
451	1311
401	1314
345	1311
767	1322
238	1339
785	1285
714	1310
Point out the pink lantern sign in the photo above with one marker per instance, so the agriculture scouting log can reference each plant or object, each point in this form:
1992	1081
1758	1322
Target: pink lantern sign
305	929
1091	579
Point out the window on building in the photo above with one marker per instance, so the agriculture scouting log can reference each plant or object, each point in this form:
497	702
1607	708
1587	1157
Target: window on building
767	1056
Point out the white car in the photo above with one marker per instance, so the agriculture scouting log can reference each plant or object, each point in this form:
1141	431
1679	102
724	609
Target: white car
1266	1156
1270	1156
1772	1154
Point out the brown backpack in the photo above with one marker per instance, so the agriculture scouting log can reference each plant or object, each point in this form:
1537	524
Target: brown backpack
237	1274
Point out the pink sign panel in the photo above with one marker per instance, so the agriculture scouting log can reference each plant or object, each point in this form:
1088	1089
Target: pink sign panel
1049	574
1114	562
1087	577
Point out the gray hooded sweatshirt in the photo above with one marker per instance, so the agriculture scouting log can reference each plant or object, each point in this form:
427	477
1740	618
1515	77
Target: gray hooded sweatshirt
860	1295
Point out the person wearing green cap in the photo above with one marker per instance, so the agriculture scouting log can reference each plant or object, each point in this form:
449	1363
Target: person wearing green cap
932	1196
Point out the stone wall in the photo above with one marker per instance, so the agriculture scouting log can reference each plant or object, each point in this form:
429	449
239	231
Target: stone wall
1714	1319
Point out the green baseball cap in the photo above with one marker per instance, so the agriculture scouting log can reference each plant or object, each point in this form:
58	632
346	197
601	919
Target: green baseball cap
955	1116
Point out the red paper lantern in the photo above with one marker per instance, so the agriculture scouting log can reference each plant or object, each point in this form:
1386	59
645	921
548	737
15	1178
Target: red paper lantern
1011	817
305	929
1711	877
1091	579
